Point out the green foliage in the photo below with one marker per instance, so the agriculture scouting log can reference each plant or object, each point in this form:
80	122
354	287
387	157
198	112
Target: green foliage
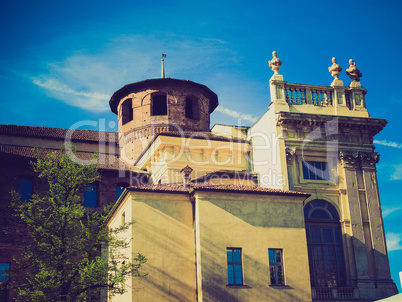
73	254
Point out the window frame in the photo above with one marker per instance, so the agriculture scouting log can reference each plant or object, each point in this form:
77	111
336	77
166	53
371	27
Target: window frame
318	244
233	264
275	265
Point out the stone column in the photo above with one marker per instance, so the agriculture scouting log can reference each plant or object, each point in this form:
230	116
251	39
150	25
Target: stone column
351	165
382	274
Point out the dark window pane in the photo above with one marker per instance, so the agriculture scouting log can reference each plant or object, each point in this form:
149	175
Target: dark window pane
229	253
338	236
315	235
237	255
127	111
4	272
333	211
319	214
90	196
25	189
315	170
230	274
189	108
119	191
327	236
159	105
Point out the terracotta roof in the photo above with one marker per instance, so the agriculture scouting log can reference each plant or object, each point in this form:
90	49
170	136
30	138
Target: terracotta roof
58	133
107	161
179	188
202	135
227	173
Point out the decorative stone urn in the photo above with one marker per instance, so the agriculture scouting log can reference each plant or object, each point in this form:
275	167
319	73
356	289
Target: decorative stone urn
354	74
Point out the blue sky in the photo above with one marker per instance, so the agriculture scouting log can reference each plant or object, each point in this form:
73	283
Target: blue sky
60	61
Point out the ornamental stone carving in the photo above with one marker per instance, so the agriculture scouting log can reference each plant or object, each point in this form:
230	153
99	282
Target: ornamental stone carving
275	63
354	74
290	153
370	159
359	159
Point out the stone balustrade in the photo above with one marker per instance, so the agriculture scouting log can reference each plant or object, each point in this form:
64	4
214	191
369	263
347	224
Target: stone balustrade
335	293
299	94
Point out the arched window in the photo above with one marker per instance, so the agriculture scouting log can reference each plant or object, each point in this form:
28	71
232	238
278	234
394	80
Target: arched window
127	111
324	242
159	104
25	188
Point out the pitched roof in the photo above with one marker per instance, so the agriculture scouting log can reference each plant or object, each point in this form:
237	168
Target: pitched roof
106	161
179	188
59	133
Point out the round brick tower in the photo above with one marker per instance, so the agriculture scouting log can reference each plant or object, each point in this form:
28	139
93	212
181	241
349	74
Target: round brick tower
153	106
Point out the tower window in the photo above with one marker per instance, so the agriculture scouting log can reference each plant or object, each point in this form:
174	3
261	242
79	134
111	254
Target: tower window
191	107
127	111
159	104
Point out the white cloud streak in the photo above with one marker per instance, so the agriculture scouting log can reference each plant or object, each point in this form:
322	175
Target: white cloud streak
237	115
387	211
88	80
394	241
388	144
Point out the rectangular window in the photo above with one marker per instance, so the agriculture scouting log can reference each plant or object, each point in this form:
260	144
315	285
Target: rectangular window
4	279
159	105
276	266
315	170
91	196
235	271
25	189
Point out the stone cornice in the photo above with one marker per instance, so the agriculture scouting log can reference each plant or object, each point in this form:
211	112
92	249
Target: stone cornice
297	119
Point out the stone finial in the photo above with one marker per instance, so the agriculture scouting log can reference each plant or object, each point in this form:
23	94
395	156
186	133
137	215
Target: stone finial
186	172
275	63
335	69
354	74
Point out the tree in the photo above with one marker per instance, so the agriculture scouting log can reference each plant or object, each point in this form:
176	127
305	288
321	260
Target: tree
68	259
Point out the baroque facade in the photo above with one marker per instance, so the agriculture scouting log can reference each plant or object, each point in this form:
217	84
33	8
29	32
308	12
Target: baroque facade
285	210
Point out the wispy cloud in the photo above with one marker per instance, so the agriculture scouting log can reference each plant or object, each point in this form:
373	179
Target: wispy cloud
93	101
387	211
237	115
87	80
397	174
387	143
394	241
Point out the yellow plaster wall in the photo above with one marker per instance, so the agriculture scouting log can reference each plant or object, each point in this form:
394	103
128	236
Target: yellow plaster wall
163	232
254	223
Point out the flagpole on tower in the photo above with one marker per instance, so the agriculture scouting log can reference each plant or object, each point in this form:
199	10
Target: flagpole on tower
163	66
